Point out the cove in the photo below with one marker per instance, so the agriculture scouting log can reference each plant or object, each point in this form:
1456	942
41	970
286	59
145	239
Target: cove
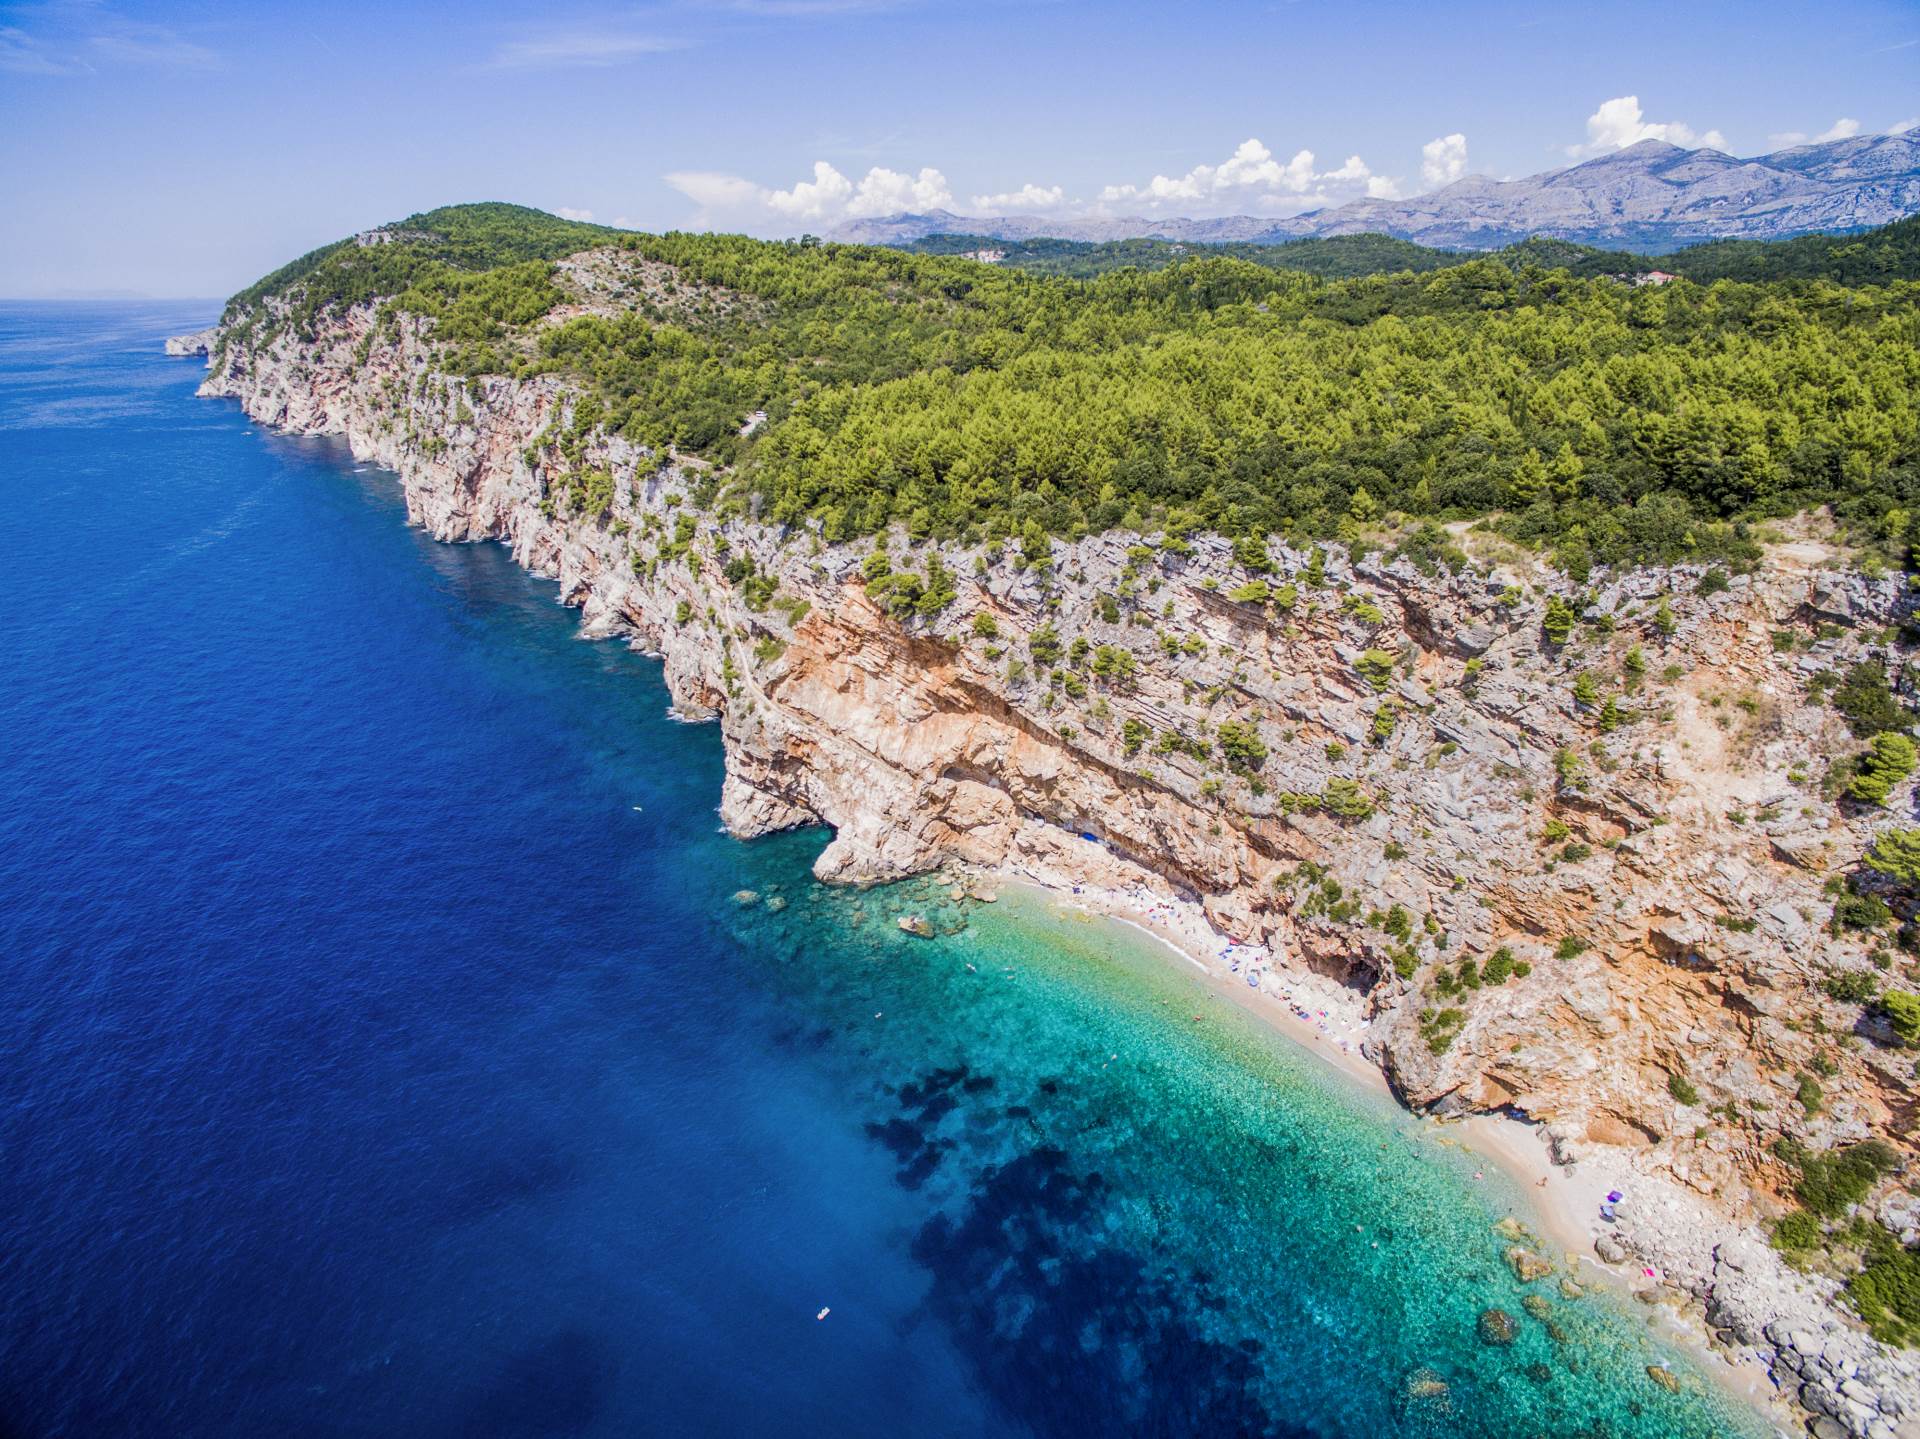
393	1050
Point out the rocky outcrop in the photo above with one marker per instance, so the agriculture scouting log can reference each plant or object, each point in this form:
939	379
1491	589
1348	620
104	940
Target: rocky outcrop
1600	903
200	342
1753	1300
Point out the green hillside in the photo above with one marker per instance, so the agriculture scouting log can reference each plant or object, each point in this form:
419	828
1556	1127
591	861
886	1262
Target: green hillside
1608	421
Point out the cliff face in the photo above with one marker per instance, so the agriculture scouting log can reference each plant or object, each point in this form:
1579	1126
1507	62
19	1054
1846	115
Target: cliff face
1374	771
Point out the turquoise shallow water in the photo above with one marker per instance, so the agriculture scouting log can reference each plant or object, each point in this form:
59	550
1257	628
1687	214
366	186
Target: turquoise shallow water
1137	1180
387	1053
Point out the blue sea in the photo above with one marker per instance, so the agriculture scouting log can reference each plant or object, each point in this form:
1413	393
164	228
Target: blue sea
393	1045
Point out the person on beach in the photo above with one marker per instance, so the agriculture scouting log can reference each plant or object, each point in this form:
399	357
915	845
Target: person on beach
1608	1210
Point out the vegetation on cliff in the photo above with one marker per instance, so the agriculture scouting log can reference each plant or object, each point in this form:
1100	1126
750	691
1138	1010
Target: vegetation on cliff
1609	422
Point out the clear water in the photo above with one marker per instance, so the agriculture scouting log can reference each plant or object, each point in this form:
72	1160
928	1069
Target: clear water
385	1052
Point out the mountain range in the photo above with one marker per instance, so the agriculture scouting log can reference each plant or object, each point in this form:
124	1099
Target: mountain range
1646	197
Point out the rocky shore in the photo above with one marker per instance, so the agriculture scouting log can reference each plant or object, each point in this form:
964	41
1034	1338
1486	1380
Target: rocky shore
1358	772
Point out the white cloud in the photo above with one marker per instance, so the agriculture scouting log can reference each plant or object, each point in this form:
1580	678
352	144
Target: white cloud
1901	127
84	39
1619	123
1841	129
1252	174
1028	197
578	49
1382	187
885	192
827	192
716	194
1443	160
24	54
828	196
567	212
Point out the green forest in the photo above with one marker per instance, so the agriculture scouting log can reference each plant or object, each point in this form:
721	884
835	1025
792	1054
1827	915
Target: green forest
1340	258
1605	422
1875	257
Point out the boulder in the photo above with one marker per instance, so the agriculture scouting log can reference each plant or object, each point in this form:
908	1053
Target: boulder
1528	1266
1497	1327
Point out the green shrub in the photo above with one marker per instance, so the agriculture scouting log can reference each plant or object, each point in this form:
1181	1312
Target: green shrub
1385	718
1859	911
1558	621
1797	1232
1682	1090
1889	758
1867	703
1240	746
1902	1011
1831	1183
1851	986
1345	799
1886	1291
1896	853
1572	947
1376	668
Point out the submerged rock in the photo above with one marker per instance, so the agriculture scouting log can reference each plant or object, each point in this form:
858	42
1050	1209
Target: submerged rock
746	897
1496	1326
1426	1390
916	924
1537	1307
1528	1266
776	904
1664	1377
1570	1290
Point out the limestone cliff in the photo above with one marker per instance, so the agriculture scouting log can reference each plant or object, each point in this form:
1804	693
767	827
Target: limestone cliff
1375	771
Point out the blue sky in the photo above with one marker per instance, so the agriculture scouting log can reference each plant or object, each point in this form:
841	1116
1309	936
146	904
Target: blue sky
184	149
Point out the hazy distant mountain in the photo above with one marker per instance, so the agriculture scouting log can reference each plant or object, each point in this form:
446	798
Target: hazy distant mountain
1649	196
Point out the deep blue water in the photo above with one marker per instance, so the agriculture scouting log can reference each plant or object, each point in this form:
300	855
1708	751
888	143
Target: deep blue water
385	1051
